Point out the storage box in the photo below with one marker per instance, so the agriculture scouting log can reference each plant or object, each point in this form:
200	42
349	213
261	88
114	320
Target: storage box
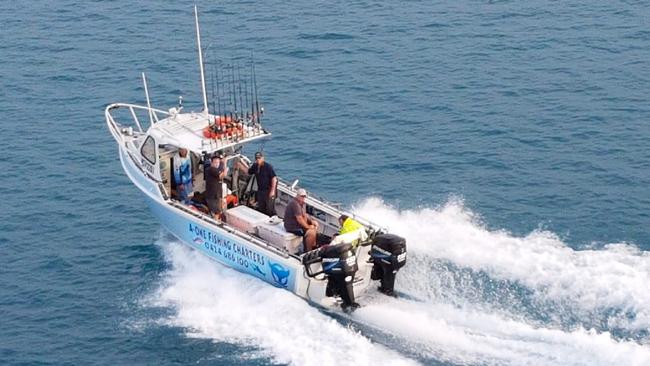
245	218
279	237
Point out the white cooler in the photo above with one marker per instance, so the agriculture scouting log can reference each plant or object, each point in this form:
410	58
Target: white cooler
245	218
279	237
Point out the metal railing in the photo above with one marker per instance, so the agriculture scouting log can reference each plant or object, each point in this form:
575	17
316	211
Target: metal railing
118	130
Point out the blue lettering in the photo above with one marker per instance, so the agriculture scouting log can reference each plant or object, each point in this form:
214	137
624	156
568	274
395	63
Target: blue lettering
229	250
243	262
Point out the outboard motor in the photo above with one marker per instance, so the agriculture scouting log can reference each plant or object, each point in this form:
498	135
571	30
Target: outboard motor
339	264
388	254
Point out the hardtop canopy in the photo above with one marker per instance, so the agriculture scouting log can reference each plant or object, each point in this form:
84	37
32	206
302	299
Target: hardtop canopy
187	130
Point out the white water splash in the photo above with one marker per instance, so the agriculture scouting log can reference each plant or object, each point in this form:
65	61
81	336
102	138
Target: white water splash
589	281
221	304
466	336
218	303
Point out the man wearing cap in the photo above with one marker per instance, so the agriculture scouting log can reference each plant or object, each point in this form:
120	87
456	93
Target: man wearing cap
297	222
213	184
266	184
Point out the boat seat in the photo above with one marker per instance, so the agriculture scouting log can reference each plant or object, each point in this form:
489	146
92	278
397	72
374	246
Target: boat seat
245	218
273	231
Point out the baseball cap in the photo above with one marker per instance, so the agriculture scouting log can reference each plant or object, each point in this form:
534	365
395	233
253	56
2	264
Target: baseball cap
302	192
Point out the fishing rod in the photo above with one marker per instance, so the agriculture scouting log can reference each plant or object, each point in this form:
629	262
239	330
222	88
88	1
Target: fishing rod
226	90
222	93
240	94
257	101
246	95
234	89
218	93
253	115
214	108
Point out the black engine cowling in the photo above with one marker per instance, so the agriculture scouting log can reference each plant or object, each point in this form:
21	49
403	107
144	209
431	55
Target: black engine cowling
388	253
340	265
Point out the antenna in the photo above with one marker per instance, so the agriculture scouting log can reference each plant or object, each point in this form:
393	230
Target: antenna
198	42
146	93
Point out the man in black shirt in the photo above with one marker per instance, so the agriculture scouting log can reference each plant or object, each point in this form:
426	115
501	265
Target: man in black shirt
213	185
266	184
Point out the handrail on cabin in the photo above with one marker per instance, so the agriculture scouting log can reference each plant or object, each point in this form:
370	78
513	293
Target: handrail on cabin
116	128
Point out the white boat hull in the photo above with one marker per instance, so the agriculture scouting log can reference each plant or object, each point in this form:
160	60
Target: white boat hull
145	155
230	248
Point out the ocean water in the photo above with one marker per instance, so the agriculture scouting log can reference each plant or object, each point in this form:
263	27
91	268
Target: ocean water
507	141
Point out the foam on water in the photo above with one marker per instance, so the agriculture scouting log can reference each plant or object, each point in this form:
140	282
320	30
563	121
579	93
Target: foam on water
467	336
610	283
218	303
215	302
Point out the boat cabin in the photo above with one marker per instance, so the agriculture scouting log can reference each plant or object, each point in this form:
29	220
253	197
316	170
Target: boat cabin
155	150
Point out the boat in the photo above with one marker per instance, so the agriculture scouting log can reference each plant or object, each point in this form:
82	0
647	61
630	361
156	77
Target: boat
334	276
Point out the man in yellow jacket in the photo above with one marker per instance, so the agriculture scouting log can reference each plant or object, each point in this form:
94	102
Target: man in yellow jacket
352	227
348	224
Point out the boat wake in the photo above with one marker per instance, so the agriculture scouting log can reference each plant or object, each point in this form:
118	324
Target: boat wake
537	277
445	332
218	303
486	296
472	296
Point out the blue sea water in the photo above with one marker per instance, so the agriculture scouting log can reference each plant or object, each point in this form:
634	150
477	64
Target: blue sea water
507	141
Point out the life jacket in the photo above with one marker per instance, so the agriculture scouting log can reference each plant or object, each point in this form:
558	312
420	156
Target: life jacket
351	232
349	225
182	169
231	200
